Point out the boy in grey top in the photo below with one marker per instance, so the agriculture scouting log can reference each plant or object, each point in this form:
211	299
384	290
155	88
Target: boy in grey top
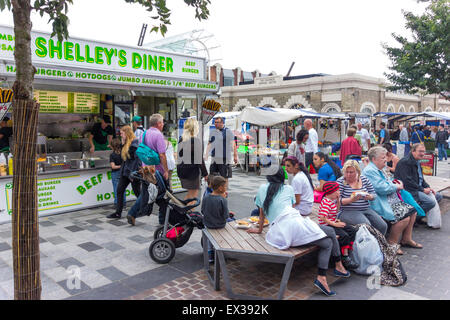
215	209
215	205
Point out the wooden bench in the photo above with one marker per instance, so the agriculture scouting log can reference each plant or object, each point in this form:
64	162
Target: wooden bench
231	242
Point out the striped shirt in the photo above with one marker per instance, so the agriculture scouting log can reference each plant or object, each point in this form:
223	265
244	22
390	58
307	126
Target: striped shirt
327	209
346	192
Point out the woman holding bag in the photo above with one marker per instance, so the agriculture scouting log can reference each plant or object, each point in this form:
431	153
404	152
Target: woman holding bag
399	215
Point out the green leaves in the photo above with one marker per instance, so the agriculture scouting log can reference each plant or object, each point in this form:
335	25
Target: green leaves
422	64
163	13
4	4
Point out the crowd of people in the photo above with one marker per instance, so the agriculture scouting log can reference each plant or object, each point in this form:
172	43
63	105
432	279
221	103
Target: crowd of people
390	194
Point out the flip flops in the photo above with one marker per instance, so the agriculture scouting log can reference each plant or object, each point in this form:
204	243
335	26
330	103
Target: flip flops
413	245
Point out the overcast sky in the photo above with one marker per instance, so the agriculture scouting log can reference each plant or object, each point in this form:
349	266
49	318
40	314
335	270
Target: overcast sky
321	36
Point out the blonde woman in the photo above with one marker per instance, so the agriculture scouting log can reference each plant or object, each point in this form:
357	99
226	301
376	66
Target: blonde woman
130	163
355	193
190	164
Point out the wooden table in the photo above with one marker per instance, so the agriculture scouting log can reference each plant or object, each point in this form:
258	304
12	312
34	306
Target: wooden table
437	183
231	242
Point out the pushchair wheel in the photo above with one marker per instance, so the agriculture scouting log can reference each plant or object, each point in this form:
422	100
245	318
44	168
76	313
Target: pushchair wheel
162	250
159	232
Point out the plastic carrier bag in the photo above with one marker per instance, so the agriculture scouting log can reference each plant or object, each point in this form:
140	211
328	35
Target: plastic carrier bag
366	252
434	218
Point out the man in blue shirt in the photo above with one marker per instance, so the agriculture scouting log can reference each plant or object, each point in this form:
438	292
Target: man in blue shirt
384	136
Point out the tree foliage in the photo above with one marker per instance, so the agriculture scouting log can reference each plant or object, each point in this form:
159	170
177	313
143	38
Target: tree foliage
421	64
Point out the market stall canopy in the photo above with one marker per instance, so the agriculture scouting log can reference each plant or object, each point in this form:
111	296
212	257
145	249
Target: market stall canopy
262	116
410	115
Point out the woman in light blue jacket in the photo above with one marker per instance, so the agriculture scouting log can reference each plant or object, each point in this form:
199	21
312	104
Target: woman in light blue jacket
399	215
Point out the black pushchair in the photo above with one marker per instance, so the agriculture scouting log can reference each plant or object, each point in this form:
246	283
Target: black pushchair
179	223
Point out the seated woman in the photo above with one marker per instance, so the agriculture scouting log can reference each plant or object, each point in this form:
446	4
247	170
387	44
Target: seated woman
399	215
275	200
328	170
302	185
391	158
356	191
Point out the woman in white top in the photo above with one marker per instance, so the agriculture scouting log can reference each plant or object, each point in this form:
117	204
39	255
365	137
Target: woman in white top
302	184
297	147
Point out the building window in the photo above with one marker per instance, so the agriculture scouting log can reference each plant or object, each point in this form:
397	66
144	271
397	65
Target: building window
247	76
297	106
228	78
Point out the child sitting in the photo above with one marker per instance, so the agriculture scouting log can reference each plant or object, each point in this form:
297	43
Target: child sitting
328	217
215	209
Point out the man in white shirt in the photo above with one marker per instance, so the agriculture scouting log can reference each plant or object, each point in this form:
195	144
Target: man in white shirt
312	144
365	137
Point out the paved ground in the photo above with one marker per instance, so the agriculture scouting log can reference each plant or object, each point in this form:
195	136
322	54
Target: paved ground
113	261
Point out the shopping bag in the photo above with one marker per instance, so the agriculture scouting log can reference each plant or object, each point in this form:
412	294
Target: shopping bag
434	219
366	252
318	195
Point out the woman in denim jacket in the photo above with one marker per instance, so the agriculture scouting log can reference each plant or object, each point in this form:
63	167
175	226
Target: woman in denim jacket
399	215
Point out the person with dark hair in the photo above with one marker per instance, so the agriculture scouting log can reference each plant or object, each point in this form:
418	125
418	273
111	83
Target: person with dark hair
417	135
215	209
328	170
350	146
391	157
289	229
384	134
5	133
302	185
297	148
441	142
115	161
101	135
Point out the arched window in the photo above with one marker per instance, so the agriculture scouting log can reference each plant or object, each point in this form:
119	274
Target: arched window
428	109
390	108
412	109
268	106
401	108
367	107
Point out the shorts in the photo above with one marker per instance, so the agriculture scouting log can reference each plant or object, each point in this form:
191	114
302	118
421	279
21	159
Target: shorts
222	169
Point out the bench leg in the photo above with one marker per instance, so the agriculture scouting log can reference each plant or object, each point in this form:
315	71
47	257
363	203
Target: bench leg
285	278
215	278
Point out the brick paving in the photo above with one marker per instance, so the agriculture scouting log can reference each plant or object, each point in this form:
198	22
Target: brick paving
258	279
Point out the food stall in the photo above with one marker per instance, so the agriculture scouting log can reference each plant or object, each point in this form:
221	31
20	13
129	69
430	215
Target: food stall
263	141
79	81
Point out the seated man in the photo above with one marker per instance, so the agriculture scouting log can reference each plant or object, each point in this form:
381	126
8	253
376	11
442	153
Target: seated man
409	171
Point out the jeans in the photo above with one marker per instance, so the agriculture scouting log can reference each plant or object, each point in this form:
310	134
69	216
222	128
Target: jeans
115	177
121	188
441	151
367	216
134	210
426	203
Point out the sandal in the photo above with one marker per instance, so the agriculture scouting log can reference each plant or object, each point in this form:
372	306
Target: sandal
413	245
400	252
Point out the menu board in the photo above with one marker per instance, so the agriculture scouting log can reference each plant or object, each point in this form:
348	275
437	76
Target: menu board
67	102
52	101
86	102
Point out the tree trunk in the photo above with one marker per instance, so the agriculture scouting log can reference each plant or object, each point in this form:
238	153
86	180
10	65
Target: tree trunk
25	224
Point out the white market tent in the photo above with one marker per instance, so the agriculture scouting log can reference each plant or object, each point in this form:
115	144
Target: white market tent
410	115
271	116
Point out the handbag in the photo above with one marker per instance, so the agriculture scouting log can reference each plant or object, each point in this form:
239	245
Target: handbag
146	154
400	209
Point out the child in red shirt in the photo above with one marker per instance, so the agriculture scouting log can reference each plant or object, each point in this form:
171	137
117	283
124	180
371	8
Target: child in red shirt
328	210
